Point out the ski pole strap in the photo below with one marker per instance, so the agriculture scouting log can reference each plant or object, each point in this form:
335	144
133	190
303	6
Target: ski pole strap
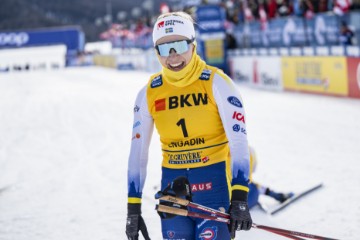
289	232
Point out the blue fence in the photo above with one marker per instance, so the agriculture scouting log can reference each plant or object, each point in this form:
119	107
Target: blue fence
322	30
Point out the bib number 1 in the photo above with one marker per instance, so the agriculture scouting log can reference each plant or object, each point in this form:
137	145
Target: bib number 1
181	123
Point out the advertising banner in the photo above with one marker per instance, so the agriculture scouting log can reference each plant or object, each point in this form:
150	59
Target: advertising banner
267	73
72	37
323	75
261	72
210	19
241	68
353	65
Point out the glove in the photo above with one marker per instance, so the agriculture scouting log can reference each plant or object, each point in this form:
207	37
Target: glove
280	197
135	222
179	187
240	218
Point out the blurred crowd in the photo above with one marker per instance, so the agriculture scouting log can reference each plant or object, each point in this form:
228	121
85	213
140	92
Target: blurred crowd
138	32
249	10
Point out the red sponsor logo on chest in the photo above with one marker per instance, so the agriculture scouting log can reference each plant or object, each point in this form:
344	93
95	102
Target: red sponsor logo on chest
160	104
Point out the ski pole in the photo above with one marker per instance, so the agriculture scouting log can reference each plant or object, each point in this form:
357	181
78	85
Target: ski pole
187	203
187	213
224	217
294	233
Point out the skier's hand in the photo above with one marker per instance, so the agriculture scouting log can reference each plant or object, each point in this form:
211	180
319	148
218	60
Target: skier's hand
135	223
240	218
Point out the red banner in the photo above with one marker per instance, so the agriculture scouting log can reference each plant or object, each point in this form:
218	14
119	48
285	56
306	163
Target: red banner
354	77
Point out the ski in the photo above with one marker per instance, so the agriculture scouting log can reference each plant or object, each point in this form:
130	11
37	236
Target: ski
291	200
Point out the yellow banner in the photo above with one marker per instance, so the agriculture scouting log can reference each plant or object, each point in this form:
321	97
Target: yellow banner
105	61
326	75
214	51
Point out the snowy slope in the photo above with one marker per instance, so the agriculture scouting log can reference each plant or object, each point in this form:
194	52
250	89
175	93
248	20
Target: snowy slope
65	138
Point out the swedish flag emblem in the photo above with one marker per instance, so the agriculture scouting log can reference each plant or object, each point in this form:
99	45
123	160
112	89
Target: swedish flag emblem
169	30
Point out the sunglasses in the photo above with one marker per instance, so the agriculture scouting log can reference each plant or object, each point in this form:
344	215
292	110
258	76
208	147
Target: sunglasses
180	47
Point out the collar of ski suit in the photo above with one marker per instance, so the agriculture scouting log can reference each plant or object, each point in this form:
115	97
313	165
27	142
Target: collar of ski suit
186	76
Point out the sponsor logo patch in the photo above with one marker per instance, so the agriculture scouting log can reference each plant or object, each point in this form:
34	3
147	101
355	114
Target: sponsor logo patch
160	24
209	233
171	234
137	136
205	75
202	223
205	159
156	82
173	22
234	101
187	100
160	104
237	128
184	158
239	117
138	123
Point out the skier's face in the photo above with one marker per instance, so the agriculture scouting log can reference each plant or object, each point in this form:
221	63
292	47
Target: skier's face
175	61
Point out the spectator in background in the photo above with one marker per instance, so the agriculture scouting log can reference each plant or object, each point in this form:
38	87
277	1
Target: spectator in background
283	8
355	4
346	34
323	6
308	9
272	8
249	16
240	12
254	7
341	6
297	8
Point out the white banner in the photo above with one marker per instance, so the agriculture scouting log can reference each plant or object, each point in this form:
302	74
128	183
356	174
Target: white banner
259	71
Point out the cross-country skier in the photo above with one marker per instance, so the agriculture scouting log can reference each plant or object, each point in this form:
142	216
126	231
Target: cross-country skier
199	115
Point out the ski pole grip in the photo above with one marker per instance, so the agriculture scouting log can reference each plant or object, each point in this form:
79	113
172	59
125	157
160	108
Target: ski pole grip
166	209
180	201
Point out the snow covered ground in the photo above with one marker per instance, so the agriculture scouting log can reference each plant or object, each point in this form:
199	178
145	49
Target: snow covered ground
65	139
